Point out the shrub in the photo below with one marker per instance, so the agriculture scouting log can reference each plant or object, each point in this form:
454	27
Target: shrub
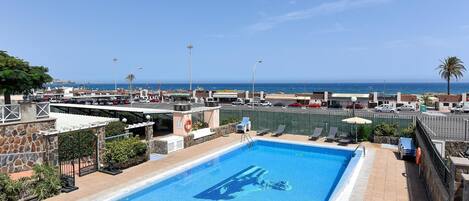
76	144
115	128
364	132
409	131
121	151
47	182
385	129
230	120
199	125
43	184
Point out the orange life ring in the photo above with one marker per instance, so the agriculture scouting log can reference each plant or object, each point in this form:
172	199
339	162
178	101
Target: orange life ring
188	125
418	156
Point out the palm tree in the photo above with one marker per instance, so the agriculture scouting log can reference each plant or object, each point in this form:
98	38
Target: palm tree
130	78
451	67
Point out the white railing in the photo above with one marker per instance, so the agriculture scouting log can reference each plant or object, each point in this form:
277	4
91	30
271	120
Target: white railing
42	109
10	112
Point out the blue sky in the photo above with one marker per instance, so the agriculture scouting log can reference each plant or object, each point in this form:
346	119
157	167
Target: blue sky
299	40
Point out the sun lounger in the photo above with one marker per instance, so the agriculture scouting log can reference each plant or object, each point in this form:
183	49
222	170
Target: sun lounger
406	147
263	132
344	139
316	133
244	125
331	136
280	130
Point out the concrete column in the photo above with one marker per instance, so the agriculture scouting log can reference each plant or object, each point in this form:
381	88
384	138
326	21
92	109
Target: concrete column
261	97
464	97
326	96
246	95
212	118
101	143
210	94
28	111
375	97
398	97
179	119
149	132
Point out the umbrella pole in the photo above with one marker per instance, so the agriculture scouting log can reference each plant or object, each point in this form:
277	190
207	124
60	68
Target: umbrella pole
356	134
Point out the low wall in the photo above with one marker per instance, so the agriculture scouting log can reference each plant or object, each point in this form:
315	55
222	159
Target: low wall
386	140
454	148
22	145
220	131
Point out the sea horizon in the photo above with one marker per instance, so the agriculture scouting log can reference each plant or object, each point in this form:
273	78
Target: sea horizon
338	87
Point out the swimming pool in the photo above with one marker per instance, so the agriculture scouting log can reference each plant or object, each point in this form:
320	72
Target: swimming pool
268	170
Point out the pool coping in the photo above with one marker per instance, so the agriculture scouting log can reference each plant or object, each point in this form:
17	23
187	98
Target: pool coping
345	184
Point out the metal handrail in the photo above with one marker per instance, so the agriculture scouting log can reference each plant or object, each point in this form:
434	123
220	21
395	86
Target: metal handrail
358	146
248	138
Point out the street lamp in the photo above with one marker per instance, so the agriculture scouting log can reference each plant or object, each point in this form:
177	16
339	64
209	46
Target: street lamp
354	100
253	80
115	80
190	46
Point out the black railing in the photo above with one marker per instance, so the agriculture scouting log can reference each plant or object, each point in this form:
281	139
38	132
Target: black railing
428	148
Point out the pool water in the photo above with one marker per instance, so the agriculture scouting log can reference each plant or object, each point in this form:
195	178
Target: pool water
268	171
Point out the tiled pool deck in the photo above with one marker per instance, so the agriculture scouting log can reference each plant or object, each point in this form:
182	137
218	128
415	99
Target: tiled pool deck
383	176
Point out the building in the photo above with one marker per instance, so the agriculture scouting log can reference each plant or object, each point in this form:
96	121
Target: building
444	103
342	100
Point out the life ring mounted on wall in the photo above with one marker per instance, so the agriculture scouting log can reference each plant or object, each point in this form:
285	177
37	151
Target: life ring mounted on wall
418	156
188	125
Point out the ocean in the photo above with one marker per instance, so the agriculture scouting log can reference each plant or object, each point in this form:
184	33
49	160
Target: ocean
408	88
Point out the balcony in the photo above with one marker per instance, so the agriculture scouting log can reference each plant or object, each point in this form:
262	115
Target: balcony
26	111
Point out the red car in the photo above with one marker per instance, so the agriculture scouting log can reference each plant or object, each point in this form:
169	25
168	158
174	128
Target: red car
154	101
357	106
295	105
314	105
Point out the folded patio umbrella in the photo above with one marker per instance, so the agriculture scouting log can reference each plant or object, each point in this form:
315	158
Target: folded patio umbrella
356	121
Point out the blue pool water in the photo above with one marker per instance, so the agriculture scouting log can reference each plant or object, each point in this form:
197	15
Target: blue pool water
267	171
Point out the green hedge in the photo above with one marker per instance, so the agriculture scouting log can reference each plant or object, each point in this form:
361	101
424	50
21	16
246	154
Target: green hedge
76	144
230	120
121	151
43	184
115	128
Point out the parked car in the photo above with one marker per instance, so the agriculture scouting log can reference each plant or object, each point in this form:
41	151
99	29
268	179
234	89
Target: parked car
386	108
462	108
266	104
144	101
295	105
335	105
357	106
279	105
238	102
406	107
314	105
154	101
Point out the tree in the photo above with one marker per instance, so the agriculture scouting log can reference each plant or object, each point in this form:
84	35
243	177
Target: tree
451	67
17	76
130	78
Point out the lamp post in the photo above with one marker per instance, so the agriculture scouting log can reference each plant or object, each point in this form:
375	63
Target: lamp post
354	100
114	60
253	80
190	46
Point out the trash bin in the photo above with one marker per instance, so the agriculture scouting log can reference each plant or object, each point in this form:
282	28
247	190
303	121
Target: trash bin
423	108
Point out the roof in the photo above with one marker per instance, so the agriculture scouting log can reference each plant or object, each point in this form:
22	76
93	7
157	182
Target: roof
69	122
409	98
115	108
449	98
342	95
286	97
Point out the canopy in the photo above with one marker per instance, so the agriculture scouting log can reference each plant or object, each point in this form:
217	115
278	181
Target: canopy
356	120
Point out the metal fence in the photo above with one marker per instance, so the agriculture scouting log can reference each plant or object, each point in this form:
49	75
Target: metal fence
446	127
303	121
10	112
423	139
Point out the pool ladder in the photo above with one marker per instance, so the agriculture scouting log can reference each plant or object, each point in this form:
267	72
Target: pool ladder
358	146
246	137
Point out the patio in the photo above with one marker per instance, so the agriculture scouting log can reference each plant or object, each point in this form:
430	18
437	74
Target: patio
383	176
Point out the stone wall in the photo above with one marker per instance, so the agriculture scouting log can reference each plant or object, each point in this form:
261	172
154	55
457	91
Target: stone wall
454	148
386	140
22	145
219	131
435	187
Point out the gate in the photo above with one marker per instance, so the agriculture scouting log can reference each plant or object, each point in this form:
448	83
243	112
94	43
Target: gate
77	155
